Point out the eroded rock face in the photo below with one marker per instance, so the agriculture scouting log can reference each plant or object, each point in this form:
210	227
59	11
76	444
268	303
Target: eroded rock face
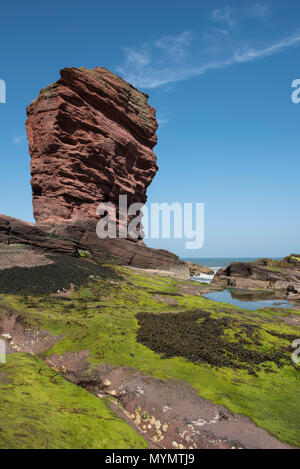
91	136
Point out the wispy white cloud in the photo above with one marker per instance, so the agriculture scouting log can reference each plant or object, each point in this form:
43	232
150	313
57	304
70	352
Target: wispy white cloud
226	15
247	54
170	59
138	58
162	121
230	17
18	139
259	9
176	46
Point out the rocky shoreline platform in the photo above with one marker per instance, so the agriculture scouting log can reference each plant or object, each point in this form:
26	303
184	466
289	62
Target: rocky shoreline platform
280	276
109	343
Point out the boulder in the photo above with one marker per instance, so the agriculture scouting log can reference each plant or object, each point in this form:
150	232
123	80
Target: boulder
196	269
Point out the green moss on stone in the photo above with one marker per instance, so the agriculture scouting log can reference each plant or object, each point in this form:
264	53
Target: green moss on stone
40	410
102	317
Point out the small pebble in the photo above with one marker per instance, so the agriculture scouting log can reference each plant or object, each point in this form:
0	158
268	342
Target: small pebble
7	336
157	424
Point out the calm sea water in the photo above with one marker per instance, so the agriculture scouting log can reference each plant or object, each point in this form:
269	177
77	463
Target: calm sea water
220	261
225	296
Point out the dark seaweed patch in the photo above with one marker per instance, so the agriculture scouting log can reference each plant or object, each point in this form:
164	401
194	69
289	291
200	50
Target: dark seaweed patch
200	338
52	277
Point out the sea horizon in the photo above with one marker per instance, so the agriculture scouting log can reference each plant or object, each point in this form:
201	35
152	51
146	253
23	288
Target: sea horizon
220	261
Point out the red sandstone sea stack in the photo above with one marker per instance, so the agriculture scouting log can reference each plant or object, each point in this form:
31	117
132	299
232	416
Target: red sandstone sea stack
91	137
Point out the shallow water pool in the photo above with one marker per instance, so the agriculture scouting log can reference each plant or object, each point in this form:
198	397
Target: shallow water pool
225	296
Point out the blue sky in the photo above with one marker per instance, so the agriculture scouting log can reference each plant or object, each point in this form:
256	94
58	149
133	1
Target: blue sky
219	74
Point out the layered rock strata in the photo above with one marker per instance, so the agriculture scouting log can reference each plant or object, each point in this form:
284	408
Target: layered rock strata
91	137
